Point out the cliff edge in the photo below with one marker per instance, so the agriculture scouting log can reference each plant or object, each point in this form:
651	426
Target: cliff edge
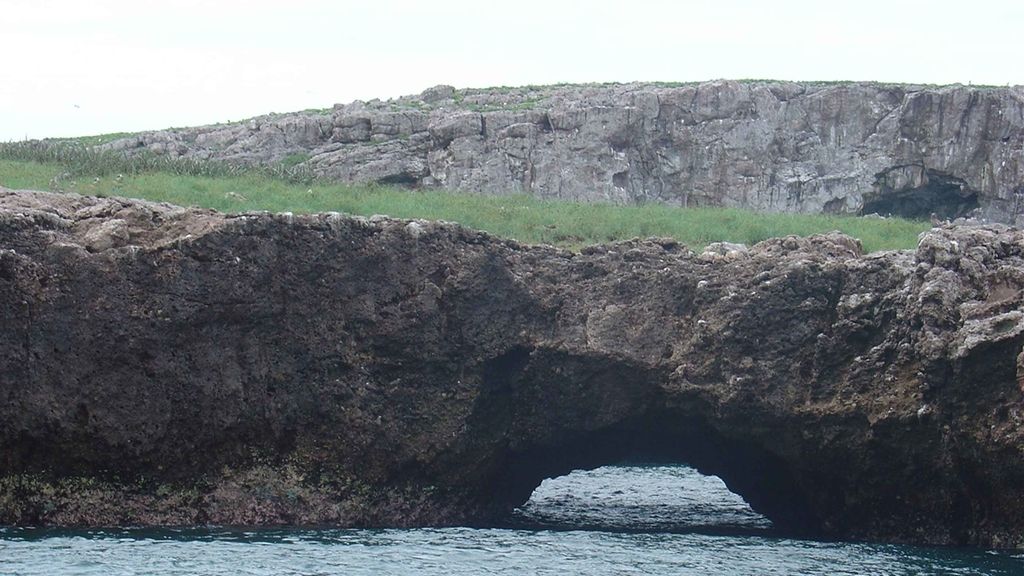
843	148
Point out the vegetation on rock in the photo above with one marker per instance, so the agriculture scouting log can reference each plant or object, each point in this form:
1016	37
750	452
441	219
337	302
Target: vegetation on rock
288	188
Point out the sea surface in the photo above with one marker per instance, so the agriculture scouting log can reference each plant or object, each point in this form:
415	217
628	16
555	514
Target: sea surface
613	520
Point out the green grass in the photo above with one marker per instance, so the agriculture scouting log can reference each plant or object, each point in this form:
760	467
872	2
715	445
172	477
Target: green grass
292	160
96	140
79	159
521	217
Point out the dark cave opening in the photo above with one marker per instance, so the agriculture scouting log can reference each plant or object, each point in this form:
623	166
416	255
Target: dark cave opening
584	413
620	179
941	195
672	468
403	179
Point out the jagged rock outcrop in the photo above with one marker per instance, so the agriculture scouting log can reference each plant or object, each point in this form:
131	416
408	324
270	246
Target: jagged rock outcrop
775	146
161	365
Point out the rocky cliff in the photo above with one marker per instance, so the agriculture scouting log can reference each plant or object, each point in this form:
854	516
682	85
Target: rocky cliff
162	365
777	146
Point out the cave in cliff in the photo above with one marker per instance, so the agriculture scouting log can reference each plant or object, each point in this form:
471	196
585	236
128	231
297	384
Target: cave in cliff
696	467
929	193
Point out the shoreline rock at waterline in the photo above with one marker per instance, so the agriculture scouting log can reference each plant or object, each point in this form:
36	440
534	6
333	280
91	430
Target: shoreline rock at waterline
170	366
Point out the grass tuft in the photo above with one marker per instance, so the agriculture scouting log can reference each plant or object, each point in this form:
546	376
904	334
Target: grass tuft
79	158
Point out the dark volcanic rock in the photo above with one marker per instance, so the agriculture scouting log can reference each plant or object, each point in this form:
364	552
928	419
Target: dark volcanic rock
161	365
774	146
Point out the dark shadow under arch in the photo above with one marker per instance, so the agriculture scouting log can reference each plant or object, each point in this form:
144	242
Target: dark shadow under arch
554	412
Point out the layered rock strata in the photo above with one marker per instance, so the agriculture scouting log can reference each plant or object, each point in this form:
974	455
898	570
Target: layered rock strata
170	366
845	148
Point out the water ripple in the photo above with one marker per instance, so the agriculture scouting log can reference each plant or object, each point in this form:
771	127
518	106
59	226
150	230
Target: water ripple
652	498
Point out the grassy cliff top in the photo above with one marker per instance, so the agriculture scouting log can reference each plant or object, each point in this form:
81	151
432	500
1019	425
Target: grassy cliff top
524	218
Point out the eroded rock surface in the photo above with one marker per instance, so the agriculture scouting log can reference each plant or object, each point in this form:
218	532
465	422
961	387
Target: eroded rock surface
774	146
188	367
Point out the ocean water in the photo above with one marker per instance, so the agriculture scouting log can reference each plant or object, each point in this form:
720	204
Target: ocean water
613	520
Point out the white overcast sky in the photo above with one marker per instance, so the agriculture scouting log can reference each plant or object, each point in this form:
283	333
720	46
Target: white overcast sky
78	67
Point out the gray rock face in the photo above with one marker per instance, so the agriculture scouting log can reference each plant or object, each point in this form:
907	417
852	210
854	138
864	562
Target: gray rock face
773	146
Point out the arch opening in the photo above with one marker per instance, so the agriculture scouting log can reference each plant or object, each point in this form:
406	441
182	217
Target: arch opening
640	497
762	482
546	412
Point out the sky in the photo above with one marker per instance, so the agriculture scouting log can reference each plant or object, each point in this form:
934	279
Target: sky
76	67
